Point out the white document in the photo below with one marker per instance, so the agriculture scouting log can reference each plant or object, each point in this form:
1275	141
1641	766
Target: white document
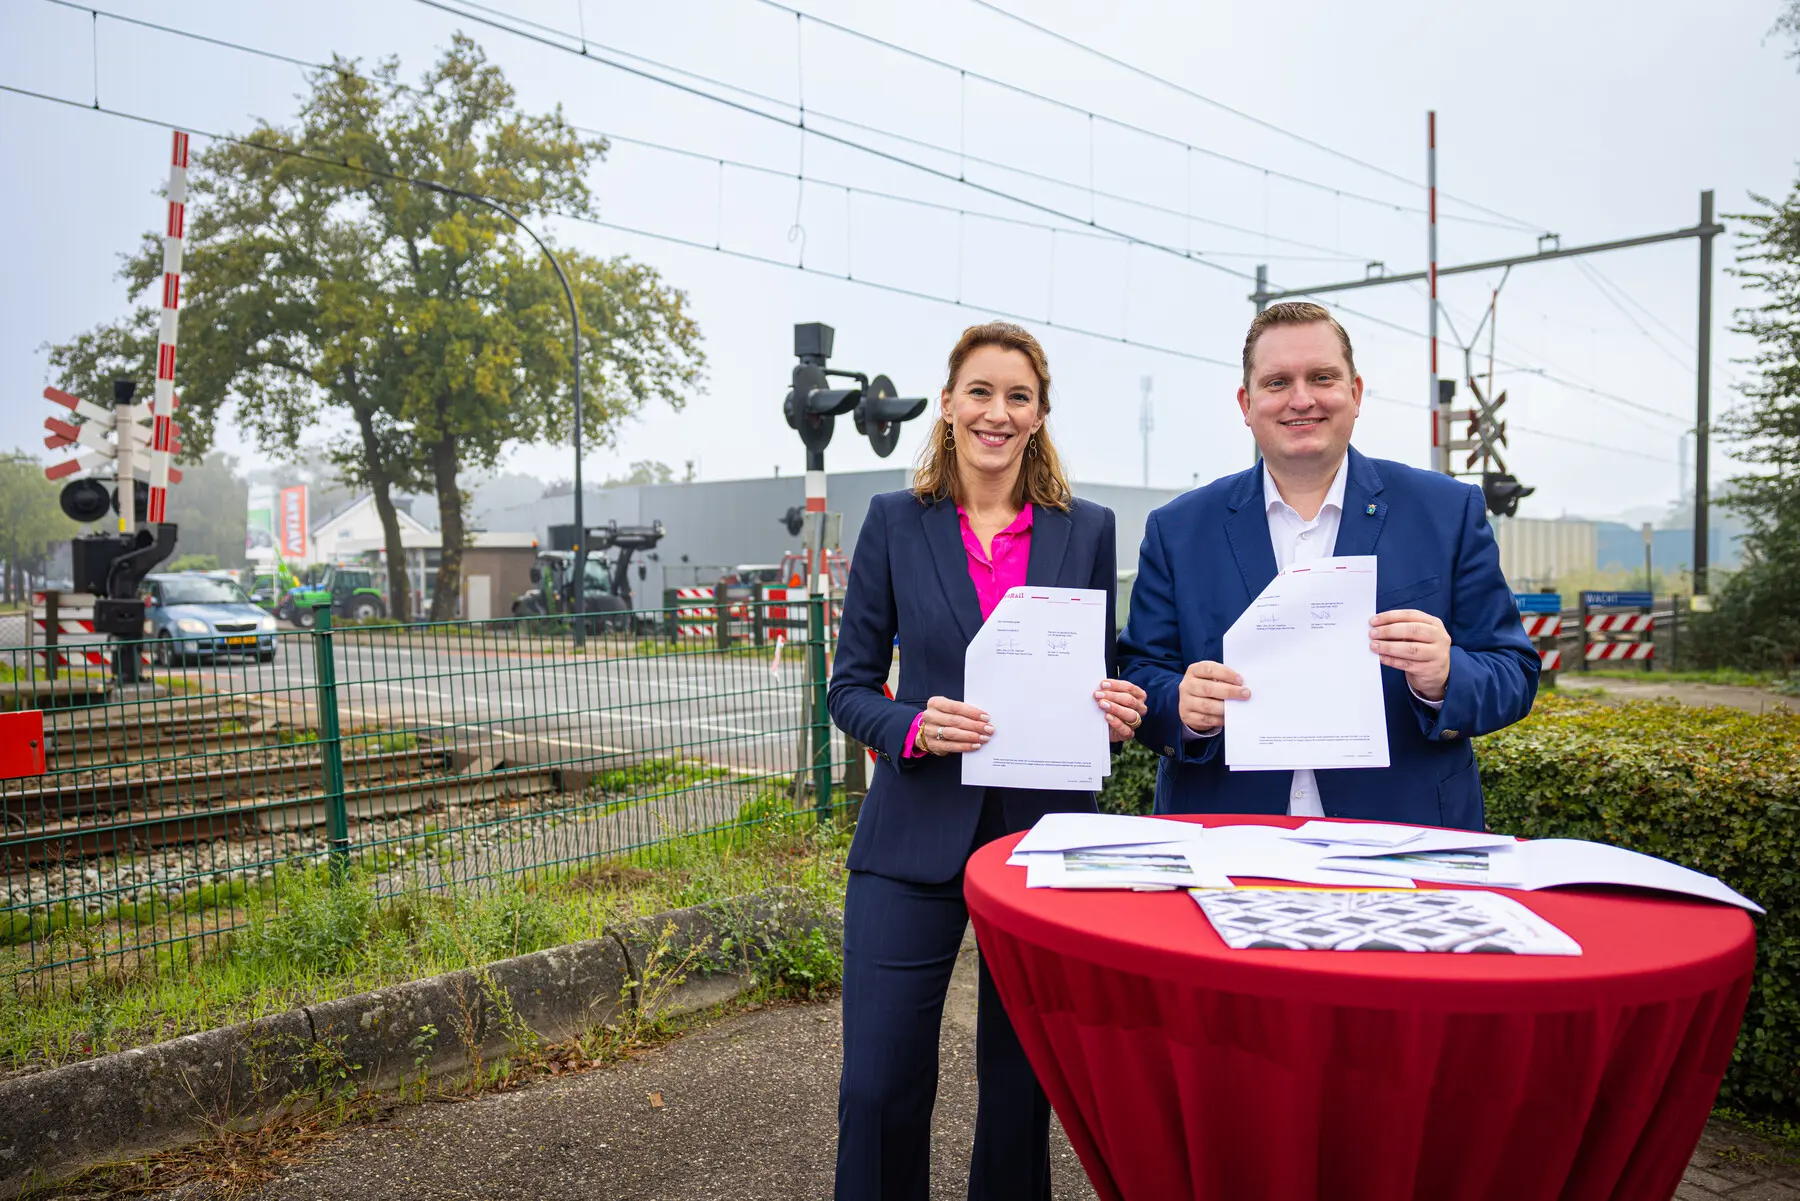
1359	834
1157	866
1494	867
1545	863
1261	851
1302	648
1082	831
1548	862
1421	842
1033	667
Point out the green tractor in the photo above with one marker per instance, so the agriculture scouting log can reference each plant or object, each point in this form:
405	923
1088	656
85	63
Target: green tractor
349	588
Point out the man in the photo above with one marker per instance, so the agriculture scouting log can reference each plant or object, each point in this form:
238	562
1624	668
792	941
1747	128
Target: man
1455	661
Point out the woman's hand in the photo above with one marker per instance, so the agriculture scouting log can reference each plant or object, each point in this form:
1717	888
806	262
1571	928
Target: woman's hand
1123	703
951	727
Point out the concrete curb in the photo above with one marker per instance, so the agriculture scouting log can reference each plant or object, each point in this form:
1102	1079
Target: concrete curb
238	1077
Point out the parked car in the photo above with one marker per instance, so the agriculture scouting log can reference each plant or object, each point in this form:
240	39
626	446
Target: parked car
198	616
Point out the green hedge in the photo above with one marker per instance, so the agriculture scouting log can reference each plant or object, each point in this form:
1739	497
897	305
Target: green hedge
1714	789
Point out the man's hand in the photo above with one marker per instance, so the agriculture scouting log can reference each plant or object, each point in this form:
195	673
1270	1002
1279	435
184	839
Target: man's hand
1204	690
1416	643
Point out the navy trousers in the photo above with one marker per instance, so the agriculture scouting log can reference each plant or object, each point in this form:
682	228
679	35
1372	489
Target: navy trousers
900	944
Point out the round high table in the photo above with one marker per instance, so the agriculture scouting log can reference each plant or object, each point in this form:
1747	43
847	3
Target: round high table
1183	1069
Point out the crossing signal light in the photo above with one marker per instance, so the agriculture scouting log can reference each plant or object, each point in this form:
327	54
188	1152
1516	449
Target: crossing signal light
812	407
1503	493
84	500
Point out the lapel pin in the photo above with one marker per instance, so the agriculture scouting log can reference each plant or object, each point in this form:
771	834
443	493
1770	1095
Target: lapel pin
1370	510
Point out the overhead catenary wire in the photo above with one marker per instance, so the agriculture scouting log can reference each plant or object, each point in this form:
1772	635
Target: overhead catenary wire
338	68
1547	369
1515	427
1604	287
498	18
462	9
675	239
910	293
1092	116
1541	372
1182	89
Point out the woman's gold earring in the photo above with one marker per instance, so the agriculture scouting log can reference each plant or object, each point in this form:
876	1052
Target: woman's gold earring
949	436
1031	448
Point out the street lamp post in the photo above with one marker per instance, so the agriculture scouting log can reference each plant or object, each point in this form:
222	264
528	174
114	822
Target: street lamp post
580	572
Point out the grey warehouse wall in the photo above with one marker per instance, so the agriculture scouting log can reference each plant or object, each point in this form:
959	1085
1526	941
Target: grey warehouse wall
722	523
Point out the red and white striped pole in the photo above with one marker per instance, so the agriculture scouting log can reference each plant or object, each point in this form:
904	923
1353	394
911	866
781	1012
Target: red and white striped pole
162	440
815	503
1440	412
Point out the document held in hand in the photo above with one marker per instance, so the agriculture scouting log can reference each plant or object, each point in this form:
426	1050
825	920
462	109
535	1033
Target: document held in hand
1033	667
1315	686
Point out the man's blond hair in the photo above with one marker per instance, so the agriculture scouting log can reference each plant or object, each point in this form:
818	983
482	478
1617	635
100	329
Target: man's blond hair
1294	312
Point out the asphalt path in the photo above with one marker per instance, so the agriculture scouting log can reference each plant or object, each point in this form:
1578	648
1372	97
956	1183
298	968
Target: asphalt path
744	1110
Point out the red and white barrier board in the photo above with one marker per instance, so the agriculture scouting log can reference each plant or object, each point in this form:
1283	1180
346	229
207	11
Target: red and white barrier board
1620	623
1598	652
696	621
76	642
1551	660
1539	625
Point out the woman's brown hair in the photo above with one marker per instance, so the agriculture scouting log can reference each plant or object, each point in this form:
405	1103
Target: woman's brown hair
1041	479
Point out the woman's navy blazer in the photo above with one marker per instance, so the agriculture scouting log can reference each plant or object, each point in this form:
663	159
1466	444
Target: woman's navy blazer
910	578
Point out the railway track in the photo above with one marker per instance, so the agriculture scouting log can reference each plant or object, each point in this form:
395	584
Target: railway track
191	773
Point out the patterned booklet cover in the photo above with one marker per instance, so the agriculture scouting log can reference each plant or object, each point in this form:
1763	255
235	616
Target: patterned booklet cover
1305	919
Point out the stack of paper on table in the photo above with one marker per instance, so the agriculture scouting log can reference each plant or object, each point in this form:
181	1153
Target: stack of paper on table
1100	850
1315	686
1538	863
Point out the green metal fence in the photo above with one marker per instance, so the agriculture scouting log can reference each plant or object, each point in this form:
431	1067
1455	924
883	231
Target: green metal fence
413	758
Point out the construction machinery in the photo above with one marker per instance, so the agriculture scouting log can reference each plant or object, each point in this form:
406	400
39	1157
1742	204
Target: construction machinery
605	596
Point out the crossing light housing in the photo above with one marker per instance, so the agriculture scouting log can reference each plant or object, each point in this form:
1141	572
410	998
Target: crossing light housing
812	405
1503	493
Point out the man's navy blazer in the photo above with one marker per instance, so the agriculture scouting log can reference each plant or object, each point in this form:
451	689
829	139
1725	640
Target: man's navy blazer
1207	555
910	577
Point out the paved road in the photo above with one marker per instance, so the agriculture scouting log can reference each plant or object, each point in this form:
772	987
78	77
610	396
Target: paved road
1751	700
743	710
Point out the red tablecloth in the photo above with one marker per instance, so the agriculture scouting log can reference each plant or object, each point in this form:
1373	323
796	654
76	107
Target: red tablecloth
1181	1068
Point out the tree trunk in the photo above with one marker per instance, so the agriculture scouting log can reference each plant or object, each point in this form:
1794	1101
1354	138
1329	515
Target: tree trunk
399	583
450	528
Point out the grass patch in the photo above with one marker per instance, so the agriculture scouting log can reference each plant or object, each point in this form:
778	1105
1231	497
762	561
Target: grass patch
308	941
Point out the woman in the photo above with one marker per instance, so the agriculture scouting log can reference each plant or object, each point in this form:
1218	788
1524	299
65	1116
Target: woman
989	510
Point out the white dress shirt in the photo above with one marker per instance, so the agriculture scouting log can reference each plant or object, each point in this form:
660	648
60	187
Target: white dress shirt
1296	540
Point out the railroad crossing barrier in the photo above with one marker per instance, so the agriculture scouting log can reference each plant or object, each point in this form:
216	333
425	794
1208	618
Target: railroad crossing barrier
1624	630
754	614
694	613
62	624
1541	615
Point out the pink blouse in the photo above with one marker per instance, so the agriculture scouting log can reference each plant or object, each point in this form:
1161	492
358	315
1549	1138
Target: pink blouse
993	576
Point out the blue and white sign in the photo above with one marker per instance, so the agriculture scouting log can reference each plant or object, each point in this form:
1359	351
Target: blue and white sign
1616	600
1539	602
